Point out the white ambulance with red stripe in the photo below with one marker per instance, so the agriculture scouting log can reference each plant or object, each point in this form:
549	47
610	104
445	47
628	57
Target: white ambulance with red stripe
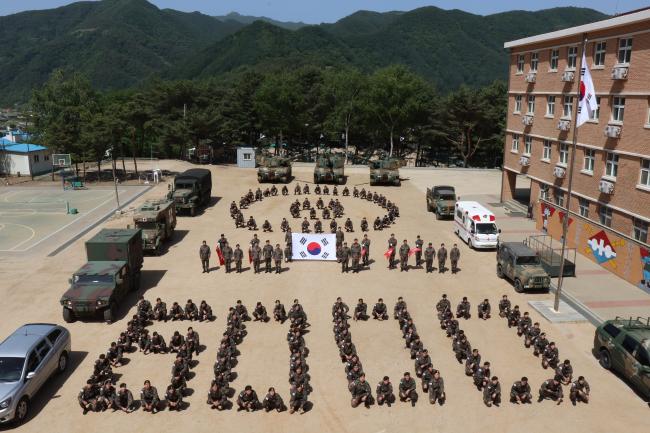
476	225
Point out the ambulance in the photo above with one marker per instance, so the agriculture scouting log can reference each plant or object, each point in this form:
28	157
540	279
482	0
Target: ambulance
476	225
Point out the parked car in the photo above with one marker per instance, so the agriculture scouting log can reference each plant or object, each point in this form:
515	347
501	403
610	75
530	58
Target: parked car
28	358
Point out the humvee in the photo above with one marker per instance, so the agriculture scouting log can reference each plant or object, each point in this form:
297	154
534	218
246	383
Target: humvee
157	220
192	189
112	271
623	345
273	169
522	266
441	199
329	168
385	171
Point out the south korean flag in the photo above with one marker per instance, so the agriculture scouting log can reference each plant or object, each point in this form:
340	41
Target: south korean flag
313	246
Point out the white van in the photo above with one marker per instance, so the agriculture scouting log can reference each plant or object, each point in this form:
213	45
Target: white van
476	225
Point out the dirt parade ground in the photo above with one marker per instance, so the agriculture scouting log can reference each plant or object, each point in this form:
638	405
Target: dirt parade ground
31	286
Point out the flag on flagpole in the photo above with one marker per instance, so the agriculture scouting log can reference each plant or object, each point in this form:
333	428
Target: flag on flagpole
389	253
220	255
414	250
587	104
364	252
250	256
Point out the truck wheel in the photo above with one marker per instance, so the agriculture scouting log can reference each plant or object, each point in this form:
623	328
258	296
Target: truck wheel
605	359
499	271
193	211
518	287
110	313
68	315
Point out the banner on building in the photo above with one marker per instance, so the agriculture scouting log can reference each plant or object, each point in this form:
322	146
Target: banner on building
313	246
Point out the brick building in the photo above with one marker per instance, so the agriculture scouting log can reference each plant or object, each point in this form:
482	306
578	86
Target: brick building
610	205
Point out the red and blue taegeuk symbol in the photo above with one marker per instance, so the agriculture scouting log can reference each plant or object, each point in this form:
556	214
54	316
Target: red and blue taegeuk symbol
313	248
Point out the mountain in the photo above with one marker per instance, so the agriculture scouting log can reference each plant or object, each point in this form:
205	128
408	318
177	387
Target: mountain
248	19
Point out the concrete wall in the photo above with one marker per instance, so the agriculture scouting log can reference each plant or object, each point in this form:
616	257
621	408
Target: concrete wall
242	160
18	162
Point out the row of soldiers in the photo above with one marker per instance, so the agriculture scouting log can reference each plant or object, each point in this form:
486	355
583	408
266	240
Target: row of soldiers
334	206
272	256
405	251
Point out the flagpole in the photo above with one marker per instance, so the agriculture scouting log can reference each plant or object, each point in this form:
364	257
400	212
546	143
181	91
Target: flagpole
565	220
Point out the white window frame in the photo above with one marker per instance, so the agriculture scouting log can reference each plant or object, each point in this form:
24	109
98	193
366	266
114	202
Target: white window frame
546	150
567	107
583	207
563	154
624	54
550	106
600	50
247	156
589	161
528	145
571	58
644	173
611	165
543	191
640	230
518	99
595	115
530	105
534	61
521	61
605	215
618	109
554	60
515	143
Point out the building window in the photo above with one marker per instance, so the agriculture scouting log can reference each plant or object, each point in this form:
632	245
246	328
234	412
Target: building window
546	152
645	173
589	161
555	55
550	106
567	107
517	103
595	115
46	158
611	165
605	215
572	56
531	104
624	50
246	156
520	63
534	60
528	145
618	108
559	197
515	142
36	158
583	207
543	192
599	53
564	154
640	230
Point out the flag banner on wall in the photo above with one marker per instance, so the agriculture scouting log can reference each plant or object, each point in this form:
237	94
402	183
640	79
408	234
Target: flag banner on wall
313	246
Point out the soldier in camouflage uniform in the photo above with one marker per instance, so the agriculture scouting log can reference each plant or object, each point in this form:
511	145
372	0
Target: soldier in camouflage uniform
267	254
227	257
520	391
124	399
361	392
551	389
345	258
385	392
256	255
454	256
174	398
379	311
149	399
442	258
429	255
218	397
364	224
204	255
579	391
273	401
404	250
436	388
266	226
288	254
248	400
298	400
365	244
340	237
89	397
407	389
355	253
392	244
238	256
484	309
492	392
277	258
361	311
419	243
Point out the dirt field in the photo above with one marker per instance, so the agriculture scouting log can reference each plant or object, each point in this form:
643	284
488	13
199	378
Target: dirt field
31	289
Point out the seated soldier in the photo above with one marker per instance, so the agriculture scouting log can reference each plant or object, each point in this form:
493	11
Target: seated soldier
259	313
205	312
124	399
472	363
565	372
279	313
361	311
463	309
89	397
285	190
266	227
248	400
484	309
242	311
298	399
192	341
107	396
436	389
361	392
377	225
380	311
284	225
385	392
306	204
251	224
191	311
318	226
174	398
297	189
149	399
492	392
550	356
273	401
317	189
176	342
217	397
551	389
158	343
520	391
176	312
579	391
160	310
346	192
305	189
481	376
407	389
114	355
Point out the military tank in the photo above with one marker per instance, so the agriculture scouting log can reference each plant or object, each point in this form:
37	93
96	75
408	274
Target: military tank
273	169
385	171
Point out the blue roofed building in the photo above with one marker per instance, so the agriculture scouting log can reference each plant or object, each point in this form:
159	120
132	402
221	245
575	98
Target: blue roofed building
23	159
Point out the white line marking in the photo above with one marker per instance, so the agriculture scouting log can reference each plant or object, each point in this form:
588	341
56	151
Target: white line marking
26	240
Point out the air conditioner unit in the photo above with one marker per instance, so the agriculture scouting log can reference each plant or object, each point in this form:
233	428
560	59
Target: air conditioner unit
531	77
527	120
564	125
619	73
606	187
612	131
524	161
559	172
568	76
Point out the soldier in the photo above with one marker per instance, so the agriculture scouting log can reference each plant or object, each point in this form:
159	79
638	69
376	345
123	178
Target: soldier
176	312
340	237
355	192
267	253
348	225
217	397
492	392
463	309
89	397
174	398
317	189
422	362
436	388
312	214
361	392
579	391
355	254
296	190
160	310
524	324
454	256
277	258
149	397
227	253
288	236
204	255
404	251
305	225
504	306
288	253
191	312
484	309
266	227
472	363
274	191
273	401
248	400
392	246
318	226
306	204
124	399
361	311
192	341
520	392
345	257
550	356
107	396
532	335
285	190
114	355
158	343
429	255
481	376
222	241
365	249
462	349
564	372
251	224
407	389
239	220
551	389
237	256
442	258
256	256
279	314
379	311
385	392
241	310
259	313
258	195
284	225
305	189
364	224
400	308
298	398
377	225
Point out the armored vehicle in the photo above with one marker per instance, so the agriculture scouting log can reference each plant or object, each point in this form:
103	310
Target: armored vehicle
273	169
192	189
623	345
112	271
522	266
157	220
329	168
441	199
385	171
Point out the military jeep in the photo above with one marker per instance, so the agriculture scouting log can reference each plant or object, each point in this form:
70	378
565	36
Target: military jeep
522	266
441	199
157	220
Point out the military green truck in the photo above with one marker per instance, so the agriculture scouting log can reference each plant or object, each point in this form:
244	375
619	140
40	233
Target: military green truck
441	199
273	169
192	189
329	168
157	220
623	345
522	265
385	171
112	271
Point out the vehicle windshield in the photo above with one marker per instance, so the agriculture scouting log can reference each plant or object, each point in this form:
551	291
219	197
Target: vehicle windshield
148	225
486	228
447	197
93	279
184	185
11	369
528	260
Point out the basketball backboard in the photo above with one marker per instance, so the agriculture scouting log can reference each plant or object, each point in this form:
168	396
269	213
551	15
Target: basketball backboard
61	160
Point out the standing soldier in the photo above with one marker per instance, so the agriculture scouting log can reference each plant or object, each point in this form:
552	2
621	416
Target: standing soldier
222	241
256	255
355	252
407	389
277	257
429	255
267	253
227	256
204	254
392	244
238	256
454	256
339	237
288	253
404	256
288	236
419	243
442	258
345	258
365	245
385	392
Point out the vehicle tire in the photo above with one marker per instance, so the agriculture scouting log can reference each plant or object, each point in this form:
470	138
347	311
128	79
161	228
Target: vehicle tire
110	313
437	215
605	359
22	410
285	180
62	365
470	244
193	211
315	179
137	281
500	271
68	315
398	182
518	287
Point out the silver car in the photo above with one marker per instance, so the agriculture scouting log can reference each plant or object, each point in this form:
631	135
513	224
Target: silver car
28	358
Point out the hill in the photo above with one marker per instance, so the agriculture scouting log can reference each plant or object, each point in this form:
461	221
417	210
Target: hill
248	19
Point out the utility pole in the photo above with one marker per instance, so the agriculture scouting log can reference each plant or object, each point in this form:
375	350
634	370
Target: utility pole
117	196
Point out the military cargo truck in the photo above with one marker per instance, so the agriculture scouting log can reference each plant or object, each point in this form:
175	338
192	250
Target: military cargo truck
157	220
112	271
441	199
192	189
329	168
385	171
522	265
273	169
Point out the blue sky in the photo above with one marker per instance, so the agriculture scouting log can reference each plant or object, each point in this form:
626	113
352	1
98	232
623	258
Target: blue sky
316	11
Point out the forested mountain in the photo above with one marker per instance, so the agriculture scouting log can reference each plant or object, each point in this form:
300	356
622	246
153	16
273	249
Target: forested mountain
248	19
120	43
